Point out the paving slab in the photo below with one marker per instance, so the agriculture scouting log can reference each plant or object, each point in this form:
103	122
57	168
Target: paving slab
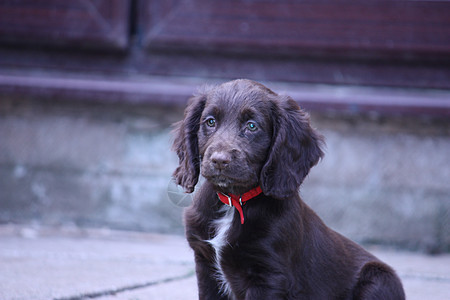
45	264
71	263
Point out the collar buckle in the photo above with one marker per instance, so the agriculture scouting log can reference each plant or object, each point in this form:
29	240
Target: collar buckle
229	199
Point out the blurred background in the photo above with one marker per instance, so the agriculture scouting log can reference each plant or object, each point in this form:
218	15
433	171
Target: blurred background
89	90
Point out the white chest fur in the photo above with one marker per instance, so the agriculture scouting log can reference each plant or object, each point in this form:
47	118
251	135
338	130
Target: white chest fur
222	225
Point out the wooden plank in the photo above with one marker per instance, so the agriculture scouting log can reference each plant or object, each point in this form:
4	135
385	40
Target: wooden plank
371	28
78	23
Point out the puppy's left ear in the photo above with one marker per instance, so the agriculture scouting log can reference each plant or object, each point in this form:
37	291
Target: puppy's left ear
296	148
186	144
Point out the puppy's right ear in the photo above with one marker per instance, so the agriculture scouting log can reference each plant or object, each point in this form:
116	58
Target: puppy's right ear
186	144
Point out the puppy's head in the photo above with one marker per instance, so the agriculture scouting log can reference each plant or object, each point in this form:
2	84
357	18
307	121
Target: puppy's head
240	135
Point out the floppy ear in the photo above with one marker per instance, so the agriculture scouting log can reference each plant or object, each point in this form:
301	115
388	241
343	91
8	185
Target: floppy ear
295	150
186	144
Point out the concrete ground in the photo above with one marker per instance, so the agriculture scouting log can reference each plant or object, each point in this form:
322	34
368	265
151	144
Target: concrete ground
71	263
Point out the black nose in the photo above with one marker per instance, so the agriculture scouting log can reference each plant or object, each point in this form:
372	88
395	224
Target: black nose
220	160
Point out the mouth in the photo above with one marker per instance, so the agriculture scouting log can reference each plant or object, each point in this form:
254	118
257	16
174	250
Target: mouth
230	184
221	180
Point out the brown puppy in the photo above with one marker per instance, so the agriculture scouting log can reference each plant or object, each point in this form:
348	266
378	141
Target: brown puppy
252	236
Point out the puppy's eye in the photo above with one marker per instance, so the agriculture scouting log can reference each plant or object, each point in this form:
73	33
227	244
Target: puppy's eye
252	126
211	122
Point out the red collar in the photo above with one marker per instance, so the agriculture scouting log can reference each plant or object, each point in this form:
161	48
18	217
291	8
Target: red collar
238	201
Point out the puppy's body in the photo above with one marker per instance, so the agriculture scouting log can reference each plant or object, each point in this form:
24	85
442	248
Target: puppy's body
244	135
271	256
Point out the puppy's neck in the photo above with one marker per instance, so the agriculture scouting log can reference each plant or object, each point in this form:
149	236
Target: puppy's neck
239	200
